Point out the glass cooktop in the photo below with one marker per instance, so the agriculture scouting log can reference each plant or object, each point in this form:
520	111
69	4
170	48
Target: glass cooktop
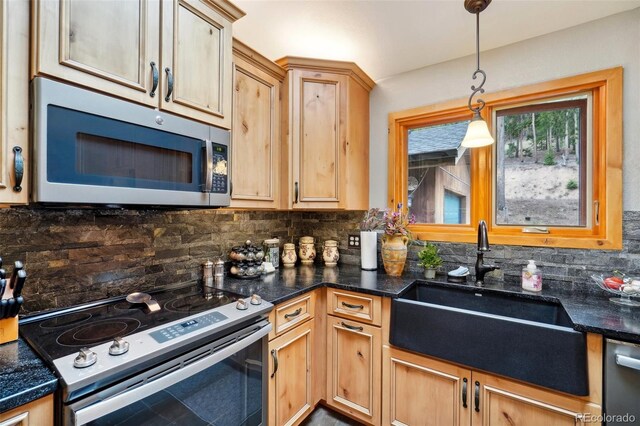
70	330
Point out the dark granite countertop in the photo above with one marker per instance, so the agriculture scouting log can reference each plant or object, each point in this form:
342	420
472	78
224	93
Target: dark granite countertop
287	283
23	376
589	309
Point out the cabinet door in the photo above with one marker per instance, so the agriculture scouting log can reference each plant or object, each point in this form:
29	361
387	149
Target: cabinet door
104	45
354	368
255	166
196	62
506	402
419	391
290	385
35	413
14	101
318	129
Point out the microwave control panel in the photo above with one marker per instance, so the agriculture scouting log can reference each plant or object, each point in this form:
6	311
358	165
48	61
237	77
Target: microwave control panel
220	169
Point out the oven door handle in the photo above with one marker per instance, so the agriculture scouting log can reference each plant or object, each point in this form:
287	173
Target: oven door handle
121	400
207	168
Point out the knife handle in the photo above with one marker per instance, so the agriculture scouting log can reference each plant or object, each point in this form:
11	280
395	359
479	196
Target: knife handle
22	277
9	308
16	306
3	285
3	308
17	266
3	274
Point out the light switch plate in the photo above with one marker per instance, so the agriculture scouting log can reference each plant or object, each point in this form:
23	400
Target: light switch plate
354	241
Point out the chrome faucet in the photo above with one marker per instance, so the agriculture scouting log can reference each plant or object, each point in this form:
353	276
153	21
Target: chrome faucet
483	246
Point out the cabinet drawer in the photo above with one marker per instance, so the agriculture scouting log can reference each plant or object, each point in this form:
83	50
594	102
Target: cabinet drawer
357	306
293	312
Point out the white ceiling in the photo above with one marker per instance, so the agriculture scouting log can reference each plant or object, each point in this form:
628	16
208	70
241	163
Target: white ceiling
387	37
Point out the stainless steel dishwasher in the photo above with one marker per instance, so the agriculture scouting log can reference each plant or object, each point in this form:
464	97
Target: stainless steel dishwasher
622	383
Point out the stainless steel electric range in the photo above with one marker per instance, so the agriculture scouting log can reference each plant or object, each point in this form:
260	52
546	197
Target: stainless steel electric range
186	357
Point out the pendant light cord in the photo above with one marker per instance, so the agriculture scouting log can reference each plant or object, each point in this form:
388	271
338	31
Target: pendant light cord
478	89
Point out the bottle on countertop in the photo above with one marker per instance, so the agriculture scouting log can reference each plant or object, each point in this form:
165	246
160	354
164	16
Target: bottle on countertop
207	273
531	277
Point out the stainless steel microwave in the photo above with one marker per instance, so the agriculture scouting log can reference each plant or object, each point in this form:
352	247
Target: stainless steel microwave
92	149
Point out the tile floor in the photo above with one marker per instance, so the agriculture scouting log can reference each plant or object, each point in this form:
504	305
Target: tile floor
322	416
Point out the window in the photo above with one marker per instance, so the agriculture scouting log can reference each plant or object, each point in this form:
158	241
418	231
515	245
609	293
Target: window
439	173
543	166
553	178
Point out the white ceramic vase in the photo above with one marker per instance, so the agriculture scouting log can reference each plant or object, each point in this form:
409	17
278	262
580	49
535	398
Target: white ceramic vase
369	250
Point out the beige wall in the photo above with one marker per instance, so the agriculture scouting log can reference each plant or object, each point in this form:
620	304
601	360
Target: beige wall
600	44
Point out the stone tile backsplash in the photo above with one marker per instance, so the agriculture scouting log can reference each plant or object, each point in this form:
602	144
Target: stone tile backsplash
74	256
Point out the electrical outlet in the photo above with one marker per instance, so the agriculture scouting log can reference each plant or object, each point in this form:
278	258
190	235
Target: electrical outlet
354	241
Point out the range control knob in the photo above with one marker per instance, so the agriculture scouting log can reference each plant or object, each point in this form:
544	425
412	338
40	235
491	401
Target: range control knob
242	305
255	299
119	346
86	358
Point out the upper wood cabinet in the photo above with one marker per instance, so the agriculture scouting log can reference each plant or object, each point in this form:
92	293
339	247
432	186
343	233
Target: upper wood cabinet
196	55
114	47
107	45
14	101
256	137
326	125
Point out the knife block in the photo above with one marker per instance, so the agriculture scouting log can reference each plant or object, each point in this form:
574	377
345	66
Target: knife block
8	330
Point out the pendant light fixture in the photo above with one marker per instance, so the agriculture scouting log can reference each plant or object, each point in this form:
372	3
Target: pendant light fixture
477	133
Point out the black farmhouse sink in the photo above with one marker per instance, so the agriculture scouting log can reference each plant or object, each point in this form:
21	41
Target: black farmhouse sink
499	332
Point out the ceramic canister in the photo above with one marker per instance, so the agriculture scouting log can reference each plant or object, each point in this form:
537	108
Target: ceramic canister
289	255
330	253
307	250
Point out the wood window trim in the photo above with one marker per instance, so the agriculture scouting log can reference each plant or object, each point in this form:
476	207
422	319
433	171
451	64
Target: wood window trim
606	88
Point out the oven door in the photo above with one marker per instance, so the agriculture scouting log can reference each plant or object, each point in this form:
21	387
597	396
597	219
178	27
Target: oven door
223	383
94	149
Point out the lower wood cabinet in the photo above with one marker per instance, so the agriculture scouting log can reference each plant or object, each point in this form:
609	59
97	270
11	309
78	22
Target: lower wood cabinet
423	391
420	391
506	402
290	377
354	368
35	413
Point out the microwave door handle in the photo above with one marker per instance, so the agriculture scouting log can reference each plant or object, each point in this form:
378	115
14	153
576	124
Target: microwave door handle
208	169
134	394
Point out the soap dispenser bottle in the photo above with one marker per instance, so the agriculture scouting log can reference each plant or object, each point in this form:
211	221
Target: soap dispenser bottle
531	277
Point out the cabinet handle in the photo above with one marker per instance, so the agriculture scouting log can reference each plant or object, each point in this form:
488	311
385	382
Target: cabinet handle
350	306
295	191
293	314
476	398
351	327
16	420
274	355
169	84
18	168
464	392
155	76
